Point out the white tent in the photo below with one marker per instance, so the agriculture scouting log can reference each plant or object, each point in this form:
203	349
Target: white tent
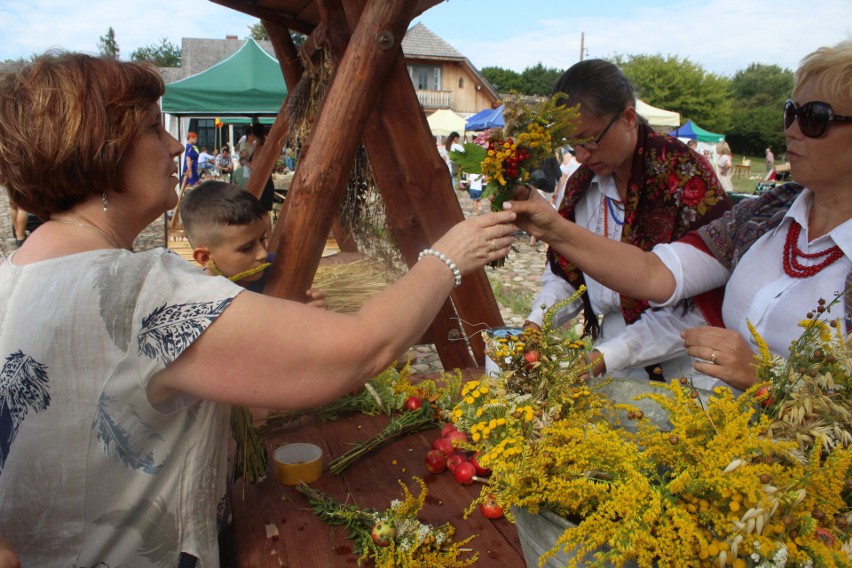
443	121
657	117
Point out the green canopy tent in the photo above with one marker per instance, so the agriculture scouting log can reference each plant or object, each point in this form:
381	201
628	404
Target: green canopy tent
248	83
238	90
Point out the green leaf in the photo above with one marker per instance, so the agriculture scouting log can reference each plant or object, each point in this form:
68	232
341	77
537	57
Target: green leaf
471	159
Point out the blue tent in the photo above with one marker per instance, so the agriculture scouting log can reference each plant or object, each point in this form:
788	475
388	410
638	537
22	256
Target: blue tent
695	132
485	119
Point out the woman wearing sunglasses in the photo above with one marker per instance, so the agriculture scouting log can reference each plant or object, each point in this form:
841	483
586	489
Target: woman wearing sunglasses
778	254
638	186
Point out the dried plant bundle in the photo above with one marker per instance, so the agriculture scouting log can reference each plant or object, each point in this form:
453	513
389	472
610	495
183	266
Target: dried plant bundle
349	286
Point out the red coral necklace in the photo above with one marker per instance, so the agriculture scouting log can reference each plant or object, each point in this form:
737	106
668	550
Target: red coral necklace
792	253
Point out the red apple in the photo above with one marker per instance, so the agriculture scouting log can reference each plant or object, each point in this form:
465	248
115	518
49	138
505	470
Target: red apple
413	403
484	472
457	438
768	401
383	533
532	358
491	509
464	473
454	459
447	428
436	462
444	445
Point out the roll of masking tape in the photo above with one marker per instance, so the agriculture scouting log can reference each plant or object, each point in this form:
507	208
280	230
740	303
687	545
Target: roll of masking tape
296	463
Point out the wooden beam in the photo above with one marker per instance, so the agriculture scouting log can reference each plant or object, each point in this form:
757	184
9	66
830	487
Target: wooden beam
286	52
320	179
260	13
405	225
265	156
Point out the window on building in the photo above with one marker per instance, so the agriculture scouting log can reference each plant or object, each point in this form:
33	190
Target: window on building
206	130
461	82
425	77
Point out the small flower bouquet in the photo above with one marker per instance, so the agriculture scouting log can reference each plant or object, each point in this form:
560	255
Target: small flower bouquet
724	483
508	156
394	537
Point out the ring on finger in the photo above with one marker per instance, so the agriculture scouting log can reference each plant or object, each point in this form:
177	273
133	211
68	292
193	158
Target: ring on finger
492	247
713	358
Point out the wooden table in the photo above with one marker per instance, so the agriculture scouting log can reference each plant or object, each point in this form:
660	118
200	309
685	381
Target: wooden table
741	170
305	541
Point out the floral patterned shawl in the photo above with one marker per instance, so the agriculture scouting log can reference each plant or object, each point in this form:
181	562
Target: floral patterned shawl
671	191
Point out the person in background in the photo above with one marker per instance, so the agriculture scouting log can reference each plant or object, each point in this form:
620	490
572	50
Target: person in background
113	442
246	141
243	170
224	164
633	185
475	189
228	231
725	165
770	162
568	166
779	255
693	144
451	144
206	162
19	222
190	160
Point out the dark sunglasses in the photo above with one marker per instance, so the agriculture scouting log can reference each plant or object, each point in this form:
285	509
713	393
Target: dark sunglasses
814	117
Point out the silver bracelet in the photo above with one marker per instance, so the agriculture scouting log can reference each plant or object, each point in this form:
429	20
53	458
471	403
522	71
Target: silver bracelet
446	260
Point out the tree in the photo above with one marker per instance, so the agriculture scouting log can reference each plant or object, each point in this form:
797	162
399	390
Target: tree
259	32
759	93
107	46
166	54
502	80
538	80
535	80
680	85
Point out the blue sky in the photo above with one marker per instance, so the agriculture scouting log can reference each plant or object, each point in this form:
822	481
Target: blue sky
723	36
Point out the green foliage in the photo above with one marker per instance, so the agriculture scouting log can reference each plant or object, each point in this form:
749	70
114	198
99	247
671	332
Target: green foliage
164	54
536	80
107	45
471	159
503	80
759	92
259	32
680	85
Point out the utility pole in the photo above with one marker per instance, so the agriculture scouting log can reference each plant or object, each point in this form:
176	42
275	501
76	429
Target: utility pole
582	42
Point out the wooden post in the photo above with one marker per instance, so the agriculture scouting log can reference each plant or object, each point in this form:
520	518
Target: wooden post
320	179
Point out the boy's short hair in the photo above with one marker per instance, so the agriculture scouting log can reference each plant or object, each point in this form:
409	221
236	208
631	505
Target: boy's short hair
216	204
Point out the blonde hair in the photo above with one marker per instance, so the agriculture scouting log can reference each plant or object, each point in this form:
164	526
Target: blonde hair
67	121
723	148
829	69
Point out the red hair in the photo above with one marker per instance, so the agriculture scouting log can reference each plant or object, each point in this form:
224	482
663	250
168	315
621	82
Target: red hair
67	121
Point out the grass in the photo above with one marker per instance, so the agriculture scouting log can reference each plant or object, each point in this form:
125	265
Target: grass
745	185
517	299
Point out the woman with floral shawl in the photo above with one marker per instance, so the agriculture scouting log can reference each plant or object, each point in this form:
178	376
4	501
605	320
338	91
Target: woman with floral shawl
641	187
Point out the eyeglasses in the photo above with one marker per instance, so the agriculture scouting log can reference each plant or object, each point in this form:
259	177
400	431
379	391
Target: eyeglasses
814	117
595	144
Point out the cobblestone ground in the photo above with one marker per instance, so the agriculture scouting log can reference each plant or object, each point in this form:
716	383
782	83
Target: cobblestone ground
520	274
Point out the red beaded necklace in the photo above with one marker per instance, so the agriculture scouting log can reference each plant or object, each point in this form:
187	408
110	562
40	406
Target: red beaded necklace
792	252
